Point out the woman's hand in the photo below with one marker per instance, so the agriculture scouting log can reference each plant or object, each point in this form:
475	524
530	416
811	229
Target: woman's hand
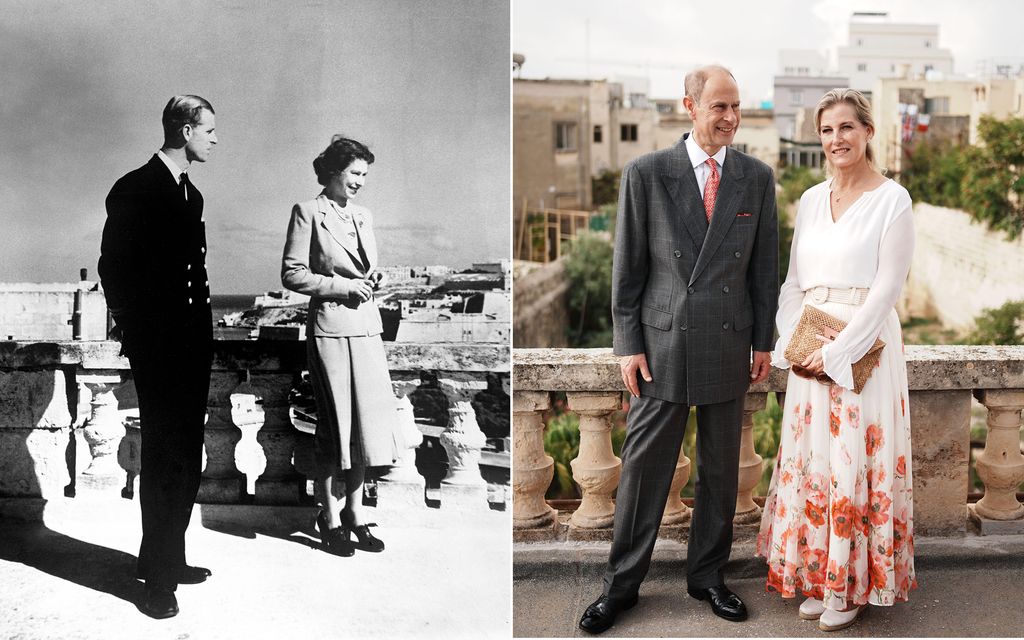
362	290
813	365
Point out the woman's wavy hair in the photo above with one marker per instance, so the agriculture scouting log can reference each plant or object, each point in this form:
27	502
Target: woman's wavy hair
861	107
337	156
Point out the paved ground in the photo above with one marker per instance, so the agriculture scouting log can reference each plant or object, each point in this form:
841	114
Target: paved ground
442	575
968	587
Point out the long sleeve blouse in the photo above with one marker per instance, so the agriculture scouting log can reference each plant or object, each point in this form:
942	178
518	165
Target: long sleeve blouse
870	247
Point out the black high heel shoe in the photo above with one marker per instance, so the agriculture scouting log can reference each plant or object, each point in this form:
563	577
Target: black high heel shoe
334	541
367	541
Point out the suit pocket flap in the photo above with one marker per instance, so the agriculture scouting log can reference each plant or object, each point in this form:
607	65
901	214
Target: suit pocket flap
656	318
744	318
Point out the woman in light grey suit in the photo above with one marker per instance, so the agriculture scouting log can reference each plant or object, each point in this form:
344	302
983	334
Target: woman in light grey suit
330	255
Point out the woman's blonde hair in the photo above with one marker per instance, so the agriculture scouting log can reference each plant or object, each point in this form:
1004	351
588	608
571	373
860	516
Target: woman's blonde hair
861	107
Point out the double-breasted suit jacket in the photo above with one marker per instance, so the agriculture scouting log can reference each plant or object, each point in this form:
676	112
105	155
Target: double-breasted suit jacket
322	260
690	296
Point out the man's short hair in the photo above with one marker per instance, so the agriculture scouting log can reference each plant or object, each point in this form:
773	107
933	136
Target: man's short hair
696	79
182	110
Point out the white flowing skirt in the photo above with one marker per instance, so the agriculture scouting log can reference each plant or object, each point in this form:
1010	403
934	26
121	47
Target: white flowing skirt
838	519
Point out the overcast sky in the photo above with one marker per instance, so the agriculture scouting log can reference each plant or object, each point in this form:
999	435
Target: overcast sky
663	39
424	84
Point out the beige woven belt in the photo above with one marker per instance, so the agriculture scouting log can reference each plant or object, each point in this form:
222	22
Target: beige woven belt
821	295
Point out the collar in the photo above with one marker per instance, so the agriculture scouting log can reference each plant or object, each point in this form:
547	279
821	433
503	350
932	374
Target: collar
175	170
698	156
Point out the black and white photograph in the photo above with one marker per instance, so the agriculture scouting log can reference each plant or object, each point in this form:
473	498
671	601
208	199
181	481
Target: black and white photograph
255	319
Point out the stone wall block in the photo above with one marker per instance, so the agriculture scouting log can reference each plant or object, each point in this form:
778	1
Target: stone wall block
35	426
940	427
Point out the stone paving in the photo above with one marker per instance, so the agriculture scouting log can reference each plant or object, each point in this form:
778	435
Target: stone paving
968	587
443	574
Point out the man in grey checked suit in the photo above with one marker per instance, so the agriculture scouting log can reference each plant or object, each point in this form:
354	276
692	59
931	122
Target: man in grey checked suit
694	287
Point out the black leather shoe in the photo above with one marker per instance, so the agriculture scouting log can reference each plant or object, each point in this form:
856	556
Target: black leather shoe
724	603
187	575
159	603
367	541
601	614
193	575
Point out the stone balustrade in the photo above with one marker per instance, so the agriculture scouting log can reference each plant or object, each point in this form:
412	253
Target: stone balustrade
942	381
66	426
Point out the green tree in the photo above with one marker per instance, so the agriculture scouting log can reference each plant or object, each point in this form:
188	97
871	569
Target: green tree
589	270
605	187
993	185
795	180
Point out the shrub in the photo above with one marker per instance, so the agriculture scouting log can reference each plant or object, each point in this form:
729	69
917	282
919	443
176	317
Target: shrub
1003	325
589	269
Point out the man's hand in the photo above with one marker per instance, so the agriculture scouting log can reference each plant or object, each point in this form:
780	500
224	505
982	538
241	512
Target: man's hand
628	366
760	367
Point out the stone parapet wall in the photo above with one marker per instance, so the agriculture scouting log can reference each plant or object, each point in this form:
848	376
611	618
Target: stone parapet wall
960	267
66	426
541	299
942	381
44	312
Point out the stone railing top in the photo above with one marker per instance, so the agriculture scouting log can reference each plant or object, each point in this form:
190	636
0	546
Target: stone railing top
928	368
257	355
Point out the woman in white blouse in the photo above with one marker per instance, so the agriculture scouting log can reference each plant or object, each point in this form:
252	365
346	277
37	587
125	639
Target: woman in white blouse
838	520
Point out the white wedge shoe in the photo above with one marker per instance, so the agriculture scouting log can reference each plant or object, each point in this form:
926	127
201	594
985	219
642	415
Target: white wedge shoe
811	609
832	620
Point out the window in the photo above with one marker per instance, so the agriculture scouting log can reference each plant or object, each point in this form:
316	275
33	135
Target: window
862	66
796	97
627	133
927	44
928	68
936	105
597	133
565	136
860	42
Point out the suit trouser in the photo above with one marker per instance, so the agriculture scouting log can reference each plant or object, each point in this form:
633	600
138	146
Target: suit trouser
655	430
172	386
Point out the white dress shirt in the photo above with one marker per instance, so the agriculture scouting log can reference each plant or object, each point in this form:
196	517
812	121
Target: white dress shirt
699	158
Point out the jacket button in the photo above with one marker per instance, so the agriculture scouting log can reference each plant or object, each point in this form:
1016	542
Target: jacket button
689	289
190	300
189	284
725	289
725	325
207	301
737	254
203	249
188	268
677	253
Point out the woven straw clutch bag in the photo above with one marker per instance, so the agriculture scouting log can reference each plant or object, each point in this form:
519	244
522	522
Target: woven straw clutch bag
814	321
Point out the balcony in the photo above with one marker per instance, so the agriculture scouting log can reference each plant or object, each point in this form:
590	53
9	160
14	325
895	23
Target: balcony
560	548
69	523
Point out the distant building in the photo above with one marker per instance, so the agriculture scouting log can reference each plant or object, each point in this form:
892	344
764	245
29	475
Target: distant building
280	298
878	48
481	318
567	131
905	108
34	311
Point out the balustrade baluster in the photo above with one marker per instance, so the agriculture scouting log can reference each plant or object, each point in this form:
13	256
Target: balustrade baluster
1001	465
751	463
462	440
403	486
596	469
532	468
677	513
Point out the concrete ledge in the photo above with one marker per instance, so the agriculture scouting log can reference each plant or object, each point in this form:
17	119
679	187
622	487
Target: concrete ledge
257	355
928	368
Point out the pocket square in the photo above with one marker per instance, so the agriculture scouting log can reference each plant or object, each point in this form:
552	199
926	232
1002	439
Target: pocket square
743	215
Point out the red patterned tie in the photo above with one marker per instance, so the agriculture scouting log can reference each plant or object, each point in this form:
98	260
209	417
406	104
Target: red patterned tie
711	188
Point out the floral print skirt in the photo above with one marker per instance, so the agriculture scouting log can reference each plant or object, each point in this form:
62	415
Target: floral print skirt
838	519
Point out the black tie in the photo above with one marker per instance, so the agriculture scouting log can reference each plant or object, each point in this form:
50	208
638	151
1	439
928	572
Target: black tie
184	184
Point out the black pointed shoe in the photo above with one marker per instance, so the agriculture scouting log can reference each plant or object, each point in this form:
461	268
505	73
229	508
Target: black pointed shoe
367	541
193	575
724	603
601	614
159	602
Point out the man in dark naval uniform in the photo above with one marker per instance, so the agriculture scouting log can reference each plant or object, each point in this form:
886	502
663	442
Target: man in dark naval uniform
153	270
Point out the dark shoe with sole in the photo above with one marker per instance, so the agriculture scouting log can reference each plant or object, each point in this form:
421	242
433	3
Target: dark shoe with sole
724	603
367	541
159	603
601	614
193	575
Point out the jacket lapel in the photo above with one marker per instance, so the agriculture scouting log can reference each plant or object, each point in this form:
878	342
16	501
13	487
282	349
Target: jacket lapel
329	220
681	184
365	231
722	218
